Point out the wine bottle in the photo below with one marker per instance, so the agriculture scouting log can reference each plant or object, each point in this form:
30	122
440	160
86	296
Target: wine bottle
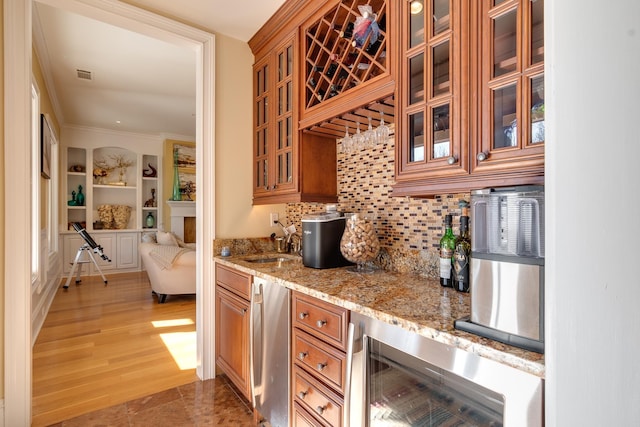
461	257
331	70
447	244
347	33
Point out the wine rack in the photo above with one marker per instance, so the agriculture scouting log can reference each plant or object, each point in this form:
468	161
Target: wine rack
336	60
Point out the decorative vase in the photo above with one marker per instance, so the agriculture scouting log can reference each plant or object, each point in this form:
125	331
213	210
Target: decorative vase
177	195
79	197
121	214
150	221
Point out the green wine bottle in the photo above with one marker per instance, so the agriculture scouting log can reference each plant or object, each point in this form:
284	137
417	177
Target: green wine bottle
461	257
447	245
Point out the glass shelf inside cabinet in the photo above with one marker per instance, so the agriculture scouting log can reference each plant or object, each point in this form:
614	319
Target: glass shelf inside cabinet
346	47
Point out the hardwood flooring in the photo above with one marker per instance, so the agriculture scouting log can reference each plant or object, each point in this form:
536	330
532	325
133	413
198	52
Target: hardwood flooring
105	345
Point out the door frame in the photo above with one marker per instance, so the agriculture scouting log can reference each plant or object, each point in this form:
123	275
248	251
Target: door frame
17	155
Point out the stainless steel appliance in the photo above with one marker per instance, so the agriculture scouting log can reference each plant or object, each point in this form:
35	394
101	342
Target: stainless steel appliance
396	377
321	234
269	350
507	266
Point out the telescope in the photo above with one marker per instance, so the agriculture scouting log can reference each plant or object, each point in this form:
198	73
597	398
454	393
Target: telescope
91	247
92	243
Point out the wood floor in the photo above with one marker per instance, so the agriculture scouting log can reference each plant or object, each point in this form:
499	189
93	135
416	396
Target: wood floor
104	345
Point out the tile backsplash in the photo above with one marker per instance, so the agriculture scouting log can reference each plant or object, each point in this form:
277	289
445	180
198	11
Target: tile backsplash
409	229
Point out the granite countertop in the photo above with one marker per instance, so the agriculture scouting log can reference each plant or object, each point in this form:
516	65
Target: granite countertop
410	301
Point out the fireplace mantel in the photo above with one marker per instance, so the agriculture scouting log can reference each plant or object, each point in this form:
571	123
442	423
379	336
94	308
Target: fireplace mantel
180	211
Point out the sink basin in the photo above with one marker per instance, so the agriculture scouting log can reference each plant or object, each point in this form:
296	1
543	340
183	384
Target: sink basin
267	260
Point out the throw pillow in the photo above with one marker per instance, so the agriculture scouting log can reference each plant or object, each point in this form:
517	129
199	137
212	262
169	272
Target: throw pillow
166	238
149	238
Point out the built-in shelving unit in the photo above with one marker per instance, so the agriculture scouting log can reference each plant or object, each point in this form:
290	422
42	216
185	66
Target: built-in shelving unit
133	187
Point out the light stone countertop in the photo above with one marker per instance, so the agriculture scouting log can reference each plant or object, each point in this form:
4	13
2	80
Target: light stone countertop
415	303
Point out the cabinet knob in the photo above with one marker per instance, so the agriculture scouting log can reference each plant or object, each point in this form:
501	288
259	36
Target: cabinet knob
302	394
321	366
452	160
303	315
320	409
482	156
302	355
321	323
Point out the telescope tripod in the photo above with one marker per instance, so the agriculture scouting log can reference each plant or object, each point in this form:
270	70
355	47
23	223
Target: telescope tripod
79	260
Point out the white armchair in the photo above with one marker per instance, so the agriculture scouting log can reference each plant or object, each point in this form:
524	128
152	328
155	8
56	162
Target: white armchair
175	278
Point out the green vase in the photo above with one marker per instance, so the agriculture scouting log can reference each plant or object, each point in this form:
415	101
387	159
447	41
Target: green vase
177	195
79	197
150	221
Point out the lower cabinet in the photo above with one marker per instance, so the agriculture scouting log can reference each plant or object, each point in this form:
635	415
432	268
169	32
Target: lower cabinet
121	248
232	326
319	341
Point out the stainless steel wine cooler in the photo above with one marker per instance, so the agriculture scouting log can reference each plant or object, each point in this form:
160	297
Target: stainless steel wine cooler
395	377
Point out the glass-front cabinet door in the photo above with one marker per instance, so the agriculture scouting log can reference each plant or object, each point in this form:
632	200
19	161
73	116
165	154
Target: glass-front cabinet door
284	178
433	99
261	128
274	137
512	82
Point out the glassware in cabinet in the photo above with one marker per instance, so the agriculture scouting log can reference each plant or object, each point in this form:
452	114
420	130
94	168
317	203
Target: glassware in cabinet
512	74
432	70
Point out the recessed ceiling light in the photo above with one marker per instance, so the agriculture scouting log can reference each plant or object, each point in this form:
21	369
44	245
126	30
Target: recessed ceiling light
416	7
118	122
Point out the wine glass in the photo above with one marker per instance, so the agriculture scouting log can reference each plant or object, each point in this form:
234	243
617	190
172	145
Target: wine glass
382	132
347	141
358	139
370	135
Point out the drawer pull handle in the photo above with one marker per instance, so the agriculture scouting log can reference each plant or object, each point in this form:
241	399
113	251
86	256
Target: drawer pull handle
321	366
302	355
321	323
321	409
303	315
302	394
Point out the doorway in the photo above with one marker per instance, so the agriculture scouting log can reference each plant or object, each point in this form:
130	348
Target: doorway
17	61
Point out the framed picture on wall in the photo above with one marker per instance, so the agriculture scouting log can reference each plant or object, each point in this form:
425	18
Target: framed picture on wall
182	157
46	140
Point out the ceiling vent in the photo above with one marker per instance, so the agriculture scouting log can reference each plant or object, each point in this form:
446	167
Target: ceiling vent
84	74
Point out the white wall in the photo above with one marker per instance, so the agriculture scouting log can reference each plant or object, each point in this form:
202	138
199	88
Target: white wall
235	216
593	178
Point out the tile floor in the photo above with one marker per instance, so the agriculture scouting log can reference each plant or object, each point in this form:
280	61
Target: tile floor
203	403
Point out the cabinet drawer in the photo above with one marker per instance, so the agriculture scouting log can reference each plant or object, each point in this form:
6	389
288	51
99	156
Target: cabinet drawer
301	418
323	360
317	399
321	319
233	280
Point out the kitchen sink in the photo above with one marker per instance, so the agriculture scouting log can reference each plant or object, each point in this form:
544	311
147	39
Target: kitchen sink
264	260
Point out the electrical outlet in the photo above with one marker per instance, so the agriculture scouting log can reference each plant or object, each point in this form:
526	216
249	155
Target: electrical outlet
273	219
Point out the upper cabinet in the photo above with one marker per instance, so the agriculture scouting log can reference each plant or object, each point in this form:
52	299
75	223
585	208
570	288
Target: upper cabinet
461	80
471	72
289	164
274	138
511	135
348	58
433	97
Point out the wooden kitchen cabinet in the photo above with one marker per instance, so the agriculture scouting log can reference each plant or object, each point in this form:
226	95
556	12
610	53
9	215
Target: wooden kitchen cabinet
232	326
434	94
319	341
470	72
511	89
289	165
